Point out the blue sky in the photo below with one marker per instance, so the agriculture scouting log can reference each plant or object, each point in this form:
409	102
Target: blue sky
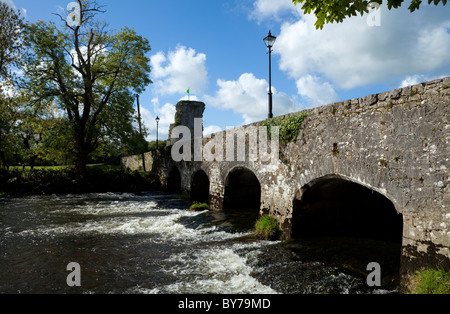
215	49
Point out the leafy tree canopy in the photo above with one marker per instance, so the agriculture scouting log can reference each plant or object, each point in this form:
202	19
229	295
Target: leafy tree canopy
10	39
329	11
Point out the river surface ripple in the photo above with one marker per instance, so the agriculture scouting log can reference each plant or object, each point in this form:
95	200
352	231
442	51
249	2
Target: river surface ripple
149	243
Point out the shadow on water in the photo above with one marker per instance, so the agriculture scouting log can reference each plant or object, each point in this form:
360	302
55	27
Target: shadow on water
352	255
232	221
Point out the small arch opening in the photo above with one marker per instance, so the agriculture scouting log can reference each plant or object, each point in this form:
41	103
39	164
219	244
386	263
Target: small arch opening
242	198
174	181
200	187
242	190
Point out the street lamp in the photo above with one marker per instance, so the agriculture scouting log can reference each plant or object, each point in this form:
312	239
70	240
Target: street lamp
157	126
270	41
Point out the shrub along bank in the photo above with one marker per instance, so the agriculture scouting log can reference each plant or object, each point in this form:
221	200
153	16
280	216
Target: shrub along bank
66	181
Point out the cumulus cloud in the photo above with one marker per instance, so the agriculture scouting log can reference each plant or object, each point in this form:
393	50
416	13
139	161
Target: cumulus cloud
211	129
407	47
263	9
180	70
165	112
318	92
353	54
418	78
248	97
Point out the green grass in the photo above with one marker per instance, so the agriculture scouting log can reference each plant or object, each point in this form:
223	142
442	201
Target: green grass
431	281
267	228
94	166
28	168
198	207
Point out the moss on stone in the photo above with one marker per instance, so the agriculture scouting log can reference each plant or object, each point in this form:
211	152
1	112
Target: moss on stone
290	126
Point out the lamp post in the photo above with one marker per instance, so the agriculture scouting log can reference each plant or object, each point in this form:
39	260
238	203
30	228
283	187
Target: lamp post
157	131
270	41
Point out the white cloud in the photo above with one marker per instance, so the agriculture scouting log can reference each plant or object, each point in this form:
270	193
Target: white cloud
263	9
189	98
211	129
352	54
417	79
248	97
166	113
317	92
180	70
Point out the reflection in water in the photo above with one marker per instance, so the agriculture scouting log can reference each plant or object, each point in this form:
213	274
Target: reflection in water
151	243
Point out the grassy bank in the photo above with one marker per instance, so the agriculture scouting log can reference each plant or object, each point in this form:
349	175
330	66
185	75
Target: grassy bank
429	281
97	179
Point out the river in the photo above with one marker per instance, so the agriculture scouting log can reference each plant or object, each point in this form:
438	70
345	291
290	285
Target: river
151	244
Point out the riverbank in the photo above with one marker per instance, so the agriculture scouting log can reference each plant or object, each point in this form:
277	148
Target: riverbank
97	179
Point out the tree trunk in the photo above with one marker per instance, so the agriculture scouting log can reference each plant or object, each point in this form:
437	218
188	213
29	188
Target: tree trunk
81	161
81	153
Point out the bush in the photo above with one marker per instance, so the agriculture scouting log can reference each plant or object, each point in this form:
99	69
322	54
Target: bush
66	181
431	281
198	207
267	228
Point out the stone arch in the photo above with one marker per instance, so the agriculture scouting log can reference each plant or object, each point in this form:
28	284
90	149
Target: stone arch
351	224
174	180
200	187
242	190
335	205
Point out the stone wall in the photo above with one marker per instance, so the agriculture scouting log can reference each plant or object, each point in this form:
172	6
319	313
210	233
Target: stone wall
135	162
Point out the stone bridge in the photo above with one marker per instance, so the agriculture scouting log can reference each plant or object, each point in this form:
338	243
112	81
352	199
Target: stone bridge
376	166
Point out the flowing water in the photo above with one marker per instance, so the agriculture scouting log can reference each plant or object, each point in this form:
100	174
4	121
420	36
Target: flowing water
150	243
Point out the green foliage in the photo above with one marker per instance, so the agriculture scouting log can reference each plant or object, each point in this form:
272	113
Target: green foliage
152	145
10	40
198	207
97	179
92	73
432	281
267	228
290	126
177	119
329	11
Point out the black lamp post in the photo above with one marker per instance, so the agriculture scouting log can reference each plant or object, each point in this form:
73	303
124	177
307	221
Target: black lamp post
157	131
270	41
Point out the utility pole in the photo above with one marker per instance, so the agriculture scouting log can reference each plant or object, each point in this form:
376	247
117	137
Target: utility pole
140	131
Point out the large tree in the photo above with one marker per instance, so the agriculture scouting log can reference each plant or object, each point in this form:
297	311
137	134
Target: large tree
329	11
10	52
10	40
91	72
